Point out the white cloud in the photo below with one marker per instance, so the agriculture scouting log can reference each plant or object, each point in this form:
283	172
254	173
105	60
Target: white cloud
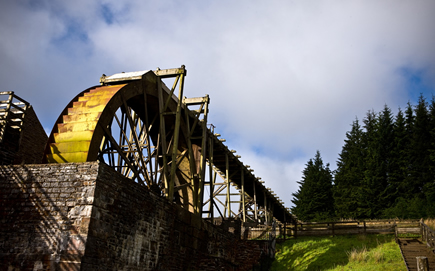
279	175
286	77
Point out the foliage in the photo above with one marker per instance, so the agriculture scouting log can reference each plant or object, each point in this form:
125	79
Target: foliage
386	168
347	181
314	199
356	252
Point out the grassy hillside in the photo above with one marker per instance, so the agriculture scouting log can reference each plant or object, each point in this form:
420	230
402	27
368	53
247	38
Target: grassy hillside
355	252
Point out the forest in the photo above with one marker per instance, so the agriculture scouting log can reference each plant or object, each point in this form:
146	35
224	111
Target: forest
386	169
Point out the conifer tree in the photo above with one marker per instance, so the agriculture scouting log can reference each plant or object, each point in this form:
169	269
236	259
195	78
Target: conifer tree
432	135
387	168
408	153
385	187
368	190
421	145
398	171
349	173
429	187
399	161
314	200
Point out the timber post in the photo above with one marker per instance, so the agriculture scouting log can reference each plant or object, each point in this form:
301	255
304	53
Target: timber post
296	228
333	230
365	228
422	264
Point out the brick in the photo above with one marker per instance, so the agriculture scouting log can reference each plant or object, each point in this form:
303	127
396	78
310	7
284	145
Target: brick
130	228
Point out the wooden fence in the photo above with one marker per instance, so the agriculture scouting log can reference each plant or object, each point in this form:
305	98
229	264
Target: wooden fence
427	236
333	228
353	227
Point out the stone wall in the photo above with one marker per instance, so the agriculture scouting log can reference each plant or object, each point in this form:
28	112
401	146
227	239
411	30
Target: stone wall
87	217
45	212
27	146
9	146
33	140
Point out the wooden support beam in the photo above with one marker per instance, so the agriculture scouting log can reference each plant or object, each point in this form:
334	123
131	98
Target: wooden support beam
243	194
227	181
176	138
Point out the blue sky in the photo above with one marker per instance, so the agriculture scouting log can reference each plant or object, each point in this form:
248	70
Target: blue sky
417	82
285	78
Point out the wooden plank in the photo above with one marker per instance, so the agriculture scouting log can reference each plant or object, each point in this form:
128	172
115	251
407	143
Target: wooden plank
171	72
124	76
20	99
193	101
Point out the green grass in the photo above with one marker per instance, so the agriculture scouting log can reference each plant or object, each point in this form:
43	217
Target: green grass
353	252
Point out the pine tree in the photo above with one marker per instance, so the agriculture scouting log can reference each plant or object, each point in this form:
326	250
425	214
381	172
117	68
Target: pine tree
432	135
399	161
421	146
429	188
387	168
349	173
386	186
314	200
408	153
368	191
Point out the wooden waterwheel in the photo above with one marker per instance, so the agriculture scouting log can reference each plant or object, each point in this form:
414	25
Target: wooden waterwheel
134	124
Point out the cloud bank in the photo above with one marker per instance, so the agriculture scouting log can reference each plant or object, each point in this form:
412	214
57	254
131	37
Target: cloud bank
285	78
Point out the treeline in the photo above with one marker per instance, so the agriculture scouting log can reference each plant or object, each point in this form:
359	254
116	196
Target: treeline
386	169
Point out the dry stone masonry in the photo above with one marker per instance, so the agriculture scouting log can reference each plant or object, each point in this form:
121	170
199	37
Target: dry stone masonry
86	216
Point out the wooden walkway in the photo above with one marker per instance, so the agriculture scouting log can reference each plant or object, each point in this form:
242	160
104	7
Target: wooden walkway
412	248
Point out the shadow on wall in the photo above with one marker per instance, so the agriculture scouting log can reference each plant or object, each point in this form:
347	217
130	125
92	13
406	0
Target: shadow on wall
45	214
25	145
85	216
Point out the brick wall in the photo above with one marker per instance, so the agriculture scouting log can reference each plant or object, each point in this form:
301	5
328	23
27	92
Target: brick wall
33	140
87	217
27	146
44	215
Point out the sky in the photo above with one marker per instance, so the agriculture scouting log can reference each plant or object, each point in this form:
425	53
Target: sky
285	78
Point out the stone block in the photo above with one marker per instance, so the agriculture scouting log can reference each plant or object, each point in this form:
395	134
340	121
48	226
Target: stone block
130	227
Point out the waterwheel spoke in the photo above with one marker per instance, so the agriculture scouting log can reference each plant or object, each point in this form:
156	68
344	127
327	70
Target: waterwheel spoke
126	144
143	141
134	144
147	127
156	161
121	153
134	137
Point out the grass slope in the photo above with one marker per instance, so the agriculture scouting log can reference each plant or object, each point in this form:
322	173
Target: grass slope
354	252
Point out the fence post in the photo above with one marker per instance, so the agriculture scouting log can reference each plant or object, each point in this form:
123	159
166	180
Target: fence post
364	227
422	232
296	229
333	230
422	264
426	235
421	228
285	228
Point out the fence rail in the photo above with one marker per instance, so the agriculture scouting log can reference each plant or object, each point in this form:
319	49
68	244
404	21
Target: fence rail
427	235
397	227
352	227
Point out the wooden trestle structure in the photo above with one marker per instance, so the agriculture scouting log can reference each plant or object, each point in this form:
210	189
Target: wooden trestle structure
134	123
12	112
